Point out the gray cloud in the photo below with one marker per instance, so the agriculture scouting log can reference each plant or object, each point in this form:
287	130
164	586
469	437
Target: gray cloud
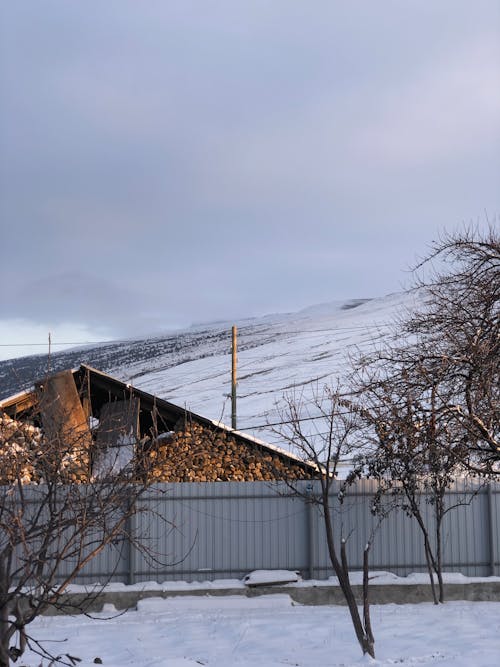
187	161
104	305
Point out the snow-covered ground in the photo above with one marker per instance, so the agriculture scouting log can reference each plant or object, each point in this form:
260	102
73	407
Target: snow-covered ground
271	631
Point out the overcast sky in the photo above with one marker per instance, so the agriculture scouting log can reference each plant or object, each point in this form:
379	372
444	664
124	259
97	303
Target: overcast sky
164	162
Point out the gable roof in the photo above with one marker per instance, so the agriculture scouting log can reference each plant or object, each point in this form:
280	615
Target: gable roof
99	389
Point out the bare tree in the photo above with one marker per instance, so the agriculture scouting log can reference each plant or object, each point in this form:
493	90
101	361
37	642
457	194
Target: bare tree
458	332
55	517
430	396
321	430
417	453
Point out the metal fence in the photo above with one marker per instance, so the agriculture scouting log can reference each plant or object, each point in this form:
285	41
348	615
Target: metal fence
226	529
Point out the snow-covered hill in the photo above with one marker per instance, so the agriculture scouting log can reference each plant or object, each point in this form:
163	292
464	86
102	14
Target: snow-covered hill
276	354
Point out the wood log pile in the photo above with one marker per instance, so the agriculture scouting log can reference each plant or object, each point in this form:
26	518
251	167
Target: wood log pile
19	446
196	453
193	453
27	457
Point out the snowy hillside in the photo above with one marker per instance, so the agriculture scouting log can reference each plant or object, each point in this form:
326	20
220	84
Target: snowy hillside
276	354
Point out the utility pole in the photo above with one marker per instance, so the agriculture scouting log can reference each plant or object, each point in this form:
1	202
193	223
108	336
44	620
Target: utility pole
233	377
48	357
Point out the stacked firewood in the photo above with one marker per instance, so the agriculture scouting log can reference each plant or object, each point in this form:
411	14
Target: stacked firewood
20	445
27	457
198	454
192	453
73	464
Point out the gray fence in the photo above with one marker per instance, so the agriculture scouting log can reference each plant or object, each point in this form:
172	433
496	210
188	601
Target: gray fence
226	529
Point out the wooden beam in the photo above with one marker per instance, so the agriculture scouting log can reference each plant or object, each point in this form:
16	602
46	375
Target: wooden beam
117	435
63	418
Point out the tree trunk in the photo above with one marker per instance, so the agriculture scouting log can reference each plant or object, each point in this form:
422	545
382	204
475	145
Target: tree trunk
342	572
439	557
429	559
430	569
366	601
5	637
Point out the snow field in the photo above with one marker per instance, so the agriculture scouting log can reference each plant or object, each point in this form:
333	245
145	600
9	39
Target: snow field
284	354
270	631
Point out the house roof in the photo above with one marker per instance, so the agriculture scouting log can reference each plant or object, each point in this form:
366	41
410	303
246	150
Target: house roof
99	388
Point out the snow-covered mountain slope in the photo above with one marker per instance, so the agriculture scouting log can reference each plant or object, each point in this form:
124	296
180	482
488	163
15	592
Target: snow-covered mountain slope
277	354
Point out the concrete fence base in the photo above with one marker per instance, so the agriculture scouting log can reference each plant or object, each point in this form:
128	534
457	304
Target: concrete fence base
483	591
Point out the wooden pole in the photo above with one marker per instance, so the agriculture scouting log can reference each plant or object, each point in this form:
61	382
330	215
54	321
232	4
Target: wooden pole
48	357
233	377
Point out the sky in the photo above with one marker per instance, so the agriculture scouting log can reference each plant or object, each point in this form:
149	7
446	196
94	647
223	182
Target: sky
164	163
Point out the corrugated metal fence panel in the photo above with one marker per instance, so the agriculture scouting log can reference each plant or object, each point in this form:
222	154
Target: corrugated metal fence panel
112	561
466	544
194	531
224	529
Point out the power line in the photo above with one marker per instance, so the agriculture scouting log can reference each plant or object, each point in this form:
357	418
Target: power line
355	327
85	342
291	421
361	327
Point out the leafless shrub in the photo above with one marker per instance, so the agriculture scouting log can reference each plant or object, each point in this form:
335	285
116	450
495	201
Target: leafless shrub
321	430
430	397
55	517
